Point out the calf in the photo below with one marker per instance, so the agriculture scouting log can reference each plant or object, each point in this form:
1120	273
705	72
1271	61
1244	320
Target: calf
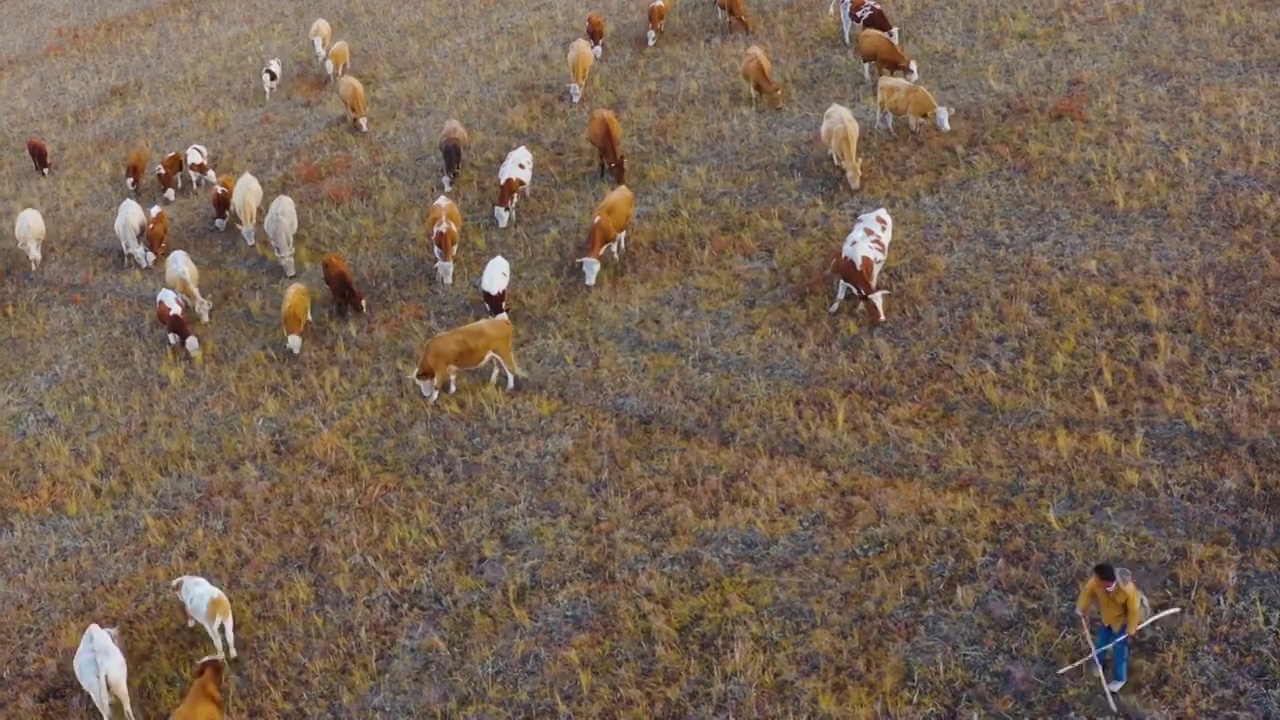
339	59
514	177
320	35
595	33
171	312
281	225
866	14
29	231
169	175
609	226
467	348
220	198
198	166
39	152
840	134
181	274
351	91
271	76
605	133
134	166
895	96
101	669
209	606
736	12
131	223
157	232
876	48
295	312
657	21
445	222
756	70
246	198
453	140
204	698
861	259
493	285
580	60
342	285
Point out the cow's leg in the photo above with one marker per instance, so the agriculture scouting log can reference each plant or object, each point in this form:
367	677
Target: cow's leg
841	289
617	245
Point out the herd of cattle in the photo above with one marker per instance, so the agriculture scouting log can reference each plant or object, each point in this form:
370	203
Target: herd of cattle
99	663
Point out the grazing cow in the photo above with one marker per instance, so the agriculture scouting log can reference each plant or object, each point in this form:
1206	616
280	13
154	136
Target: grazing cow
102	671
204	698
39	152
208	606
131	223
609	226
353	98
271	76
861	259
445	222
170	312
342	284
320	35
467	348
134	166
657	21
281	225
453	140
157	232
876	48
198	166
757	73
339	59
580	60
221	200
169	175
605	133
514	177
736	12
866	14
493	285
295	311
181	274
246	198
895	96
840	134
595	33
28	230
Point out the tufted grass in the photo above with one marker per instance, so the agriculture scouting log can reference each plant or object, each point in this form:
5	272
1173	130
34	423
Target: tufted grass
710	498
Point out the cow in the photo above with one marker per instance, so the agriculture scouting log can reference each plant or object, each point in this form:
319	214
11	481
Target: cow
198	169
281	225
171	312
605	133
157	232
609	226
861	259
445	222
29	231
453	140
342	284
169	175
271	76
246	198
895	96
39	152
493	285
320	35
101	669
207	605
839	133
204	698
876	48
131	223
466	348
181	274
595	33
351	91
735	11
134	166
580	60
866	14
220	198
339	59
657	21
756	72
295	312
514	176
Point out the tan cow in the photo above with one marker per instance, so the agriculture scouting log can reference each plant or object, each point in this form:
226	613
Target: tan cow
840	135
756	72
467	348
580	59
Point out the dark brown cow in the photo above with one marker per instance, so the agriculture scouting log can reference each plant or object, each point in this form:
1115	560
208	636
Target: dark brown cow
39	152
605	133
342	285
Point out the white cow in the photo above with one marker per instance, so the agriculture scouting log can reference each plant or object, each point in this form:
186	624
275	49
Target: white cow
101	669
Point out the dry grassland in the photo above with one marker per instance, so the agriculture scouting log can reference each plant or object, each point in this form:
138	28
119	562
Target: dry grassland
711	498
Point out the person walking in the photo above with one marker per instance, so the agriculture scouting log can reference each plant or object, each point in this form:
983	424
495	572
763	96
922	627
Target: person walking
1120	603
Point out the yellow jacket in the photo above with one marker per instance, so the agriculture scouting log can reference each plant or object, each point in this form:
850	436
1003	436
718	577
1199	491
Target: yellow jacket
1120	608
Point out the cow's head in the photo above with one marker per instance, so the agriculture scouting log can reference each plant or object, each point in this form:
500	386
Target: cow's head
575	92
203	306
287	264
590	269
445	271
854	173
145	257
362	124
426	380
942	117
913	71
652	37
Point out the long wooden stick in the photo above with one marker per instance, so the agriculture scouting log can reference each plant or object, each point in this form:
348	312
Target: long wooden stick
1153	618
1102	676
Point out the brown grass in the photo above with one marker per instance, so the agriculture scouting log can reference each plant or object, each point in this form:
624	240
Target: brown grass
710	499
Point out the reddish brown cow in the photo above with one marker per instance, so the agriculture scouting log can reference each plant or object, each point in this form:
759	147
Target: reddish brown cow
605	133
342	285
135	165
221	200
595	33
39	152
169	175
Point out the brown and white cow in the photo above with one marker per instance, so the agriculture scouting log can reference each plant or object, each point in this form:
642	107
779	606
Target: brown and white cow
157	231
169	175
605	133
866	14
609	226
877	48
171	312
295	313
342	284
757	73
445	222
453	140
595	33
657	21
39	152
514	177
198	169
467	348
861	259
220	198
736	12
134	166
493	285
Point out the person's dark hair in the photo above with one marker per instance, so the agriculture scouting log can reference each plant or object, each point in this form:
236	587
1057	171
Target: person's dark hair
1105	572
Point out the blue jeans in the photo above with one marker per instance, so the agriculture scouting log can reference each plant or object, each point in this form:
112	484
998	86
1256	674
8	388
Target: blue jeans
1120	670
